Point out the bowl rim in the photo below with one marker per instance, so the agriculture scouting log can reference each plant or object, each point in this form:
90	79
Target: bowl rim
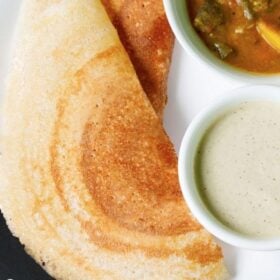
187	153
193	45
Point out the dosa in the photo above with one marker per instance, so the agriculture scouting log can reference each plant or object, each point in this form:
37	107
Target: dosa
89	178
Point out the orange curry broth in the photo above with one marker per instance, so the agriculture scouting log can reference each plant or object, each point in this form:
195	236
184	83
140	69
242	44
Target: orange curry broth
251	52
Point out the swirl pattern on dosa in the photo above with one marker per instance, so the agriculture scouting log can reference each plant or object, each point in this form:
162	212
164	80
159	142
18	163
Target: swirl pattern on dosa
88	175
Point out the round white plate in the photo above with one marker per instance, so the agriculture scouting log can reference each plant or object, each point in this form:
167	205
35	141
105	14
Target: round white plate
192	85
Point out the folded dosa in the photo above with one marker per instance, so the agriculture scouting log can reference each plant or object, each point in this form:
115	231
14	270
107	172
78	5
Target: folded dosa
88	176
146	35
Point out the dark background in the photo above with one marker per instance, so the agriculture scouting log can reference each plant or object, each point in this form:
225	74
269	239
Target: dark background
14	262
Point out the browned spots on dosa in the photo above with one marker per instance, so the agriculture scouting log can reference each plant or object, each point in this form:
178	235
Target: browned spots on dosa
54	168
199	251
130	169
203	252
103	240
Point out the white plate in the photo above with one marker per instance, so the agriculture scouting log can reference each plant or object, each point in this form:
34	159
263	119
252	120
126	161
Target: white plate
192	85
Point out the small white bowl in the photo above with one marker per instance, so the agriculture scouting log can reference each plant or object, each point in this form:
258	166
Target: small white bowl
187	153
178	17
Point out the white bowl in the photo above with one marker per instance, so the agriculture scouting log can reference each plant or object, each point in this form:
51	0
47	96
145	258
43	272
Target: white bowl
187	153
178	17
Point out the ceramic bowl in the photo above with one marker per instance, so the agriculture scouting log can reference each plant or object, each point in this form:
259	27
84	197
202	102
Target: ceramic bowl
187	154
178	17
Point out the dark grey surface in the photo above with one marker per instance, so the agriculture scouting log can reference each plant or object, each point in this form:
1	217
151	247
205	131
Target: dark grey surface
14	262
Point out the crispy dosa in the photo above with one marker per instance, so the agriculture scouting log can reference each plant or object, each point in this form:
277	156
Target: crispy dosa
88	176
147	37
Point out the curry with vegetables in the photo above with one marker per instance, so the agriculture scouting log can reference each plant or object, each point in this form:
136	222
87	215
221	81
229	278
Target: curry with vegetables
244	33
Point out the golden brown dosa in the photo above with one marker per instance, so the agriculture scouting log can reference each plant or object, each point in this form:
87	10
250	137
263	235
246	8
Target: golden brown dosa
88	176
146	35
